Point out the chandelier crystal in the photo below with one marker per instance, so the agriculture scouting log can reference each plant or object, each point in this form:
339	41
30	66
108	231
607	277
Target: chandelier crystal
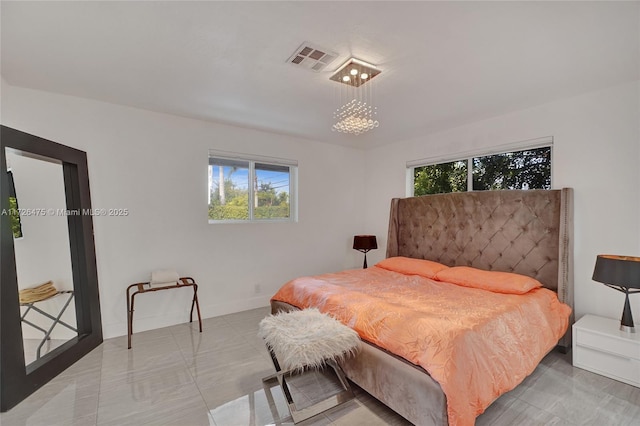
355	117
357	114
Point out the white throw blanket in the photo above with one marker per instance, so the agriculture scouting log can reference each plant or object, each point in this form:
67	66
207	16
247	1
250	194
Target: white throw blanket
164	277
307	338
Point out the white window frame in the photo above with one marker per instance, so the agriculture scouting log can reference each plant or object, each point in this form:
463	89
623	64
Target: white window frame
252	160
468	156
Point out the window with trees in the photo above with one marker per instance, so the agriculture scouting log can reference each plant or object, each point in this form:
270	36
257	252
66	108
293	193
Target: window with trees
243	188
517	169
14	211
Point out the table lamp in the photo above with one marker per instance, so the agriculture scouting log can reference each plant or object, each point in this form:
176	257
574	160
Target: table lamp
621	273
364	243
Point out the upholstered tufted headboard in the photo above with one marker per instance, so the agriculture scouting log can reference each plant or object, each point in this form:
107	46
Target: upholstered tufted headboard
526	232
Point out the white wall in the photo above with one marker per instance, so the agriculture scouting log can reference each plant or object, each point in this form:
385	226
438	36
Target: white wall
596	151
155	165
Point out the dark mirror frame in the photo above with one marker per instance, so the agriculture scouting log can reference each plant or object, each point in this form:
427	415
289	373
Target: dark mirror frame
17	380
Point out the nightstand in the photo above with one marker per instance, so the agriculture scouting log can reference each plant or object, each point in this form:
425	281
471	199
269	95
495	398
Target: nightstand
599	346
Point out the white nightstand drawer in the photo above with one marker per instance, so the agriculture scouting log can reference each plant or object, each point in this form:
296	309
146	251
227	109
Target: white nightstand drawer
613	344
620	368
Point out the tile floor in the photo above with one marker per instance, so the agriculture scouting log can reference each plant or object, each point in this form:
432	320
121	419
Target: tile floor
177	376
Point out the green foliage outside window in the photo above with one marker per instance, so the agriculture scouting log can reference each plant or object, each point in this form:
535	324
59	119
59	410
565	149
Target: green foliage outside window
440	178
268	205
271	204
14	216
235	205
527	169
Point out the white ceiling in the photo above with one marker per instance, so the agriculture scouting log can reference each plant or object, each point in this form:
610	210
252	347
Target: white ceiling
443	63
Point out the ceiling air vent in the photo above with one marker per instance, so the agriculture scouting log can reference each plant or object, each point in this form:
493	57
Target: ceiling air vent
312	57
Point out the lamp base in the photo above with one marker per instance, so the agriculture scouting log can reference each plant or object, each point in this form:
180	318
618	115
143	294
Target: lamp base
626	323
364	265
627	329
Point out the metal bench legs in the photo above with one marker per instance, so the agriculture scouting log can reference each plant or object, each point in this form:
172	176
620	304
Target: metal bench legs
300	414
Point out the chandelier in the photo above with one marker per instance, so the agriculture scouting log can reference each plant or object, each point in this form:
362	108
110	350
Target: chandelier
356	114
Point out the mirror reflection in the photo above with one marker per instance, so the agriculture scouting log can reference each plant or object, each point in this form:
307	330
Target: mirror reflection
42	252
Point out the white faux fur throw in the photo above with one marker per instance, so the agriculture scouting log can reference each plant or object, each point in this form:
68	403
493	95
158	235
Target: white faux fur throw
307	338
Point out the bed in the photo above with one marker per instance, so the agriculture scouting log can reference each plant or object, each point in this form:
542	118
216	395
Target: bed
523	232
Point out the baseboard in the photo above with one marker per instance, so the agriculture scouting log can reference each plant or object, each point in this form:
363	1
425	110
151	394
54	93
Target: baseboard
166	319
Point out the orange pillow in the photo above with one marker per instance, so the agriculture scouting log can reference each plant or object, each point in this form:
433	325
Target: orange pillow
497	282
408	266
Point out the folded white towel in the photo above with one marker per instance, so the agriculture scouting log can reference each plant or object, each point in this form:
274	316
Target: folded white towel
164	277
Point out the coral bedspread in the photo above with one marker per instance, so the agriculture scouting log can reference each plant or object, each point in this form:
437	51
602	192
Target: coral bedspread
476	344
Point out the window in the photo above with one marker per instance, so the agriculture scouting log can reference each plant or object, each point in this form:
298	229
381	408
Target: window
439	178
251	188
528	168
14	211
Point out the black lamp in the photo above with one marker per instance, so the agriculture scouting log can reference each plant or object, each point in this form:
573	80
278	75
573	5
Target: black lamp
364	243
621	273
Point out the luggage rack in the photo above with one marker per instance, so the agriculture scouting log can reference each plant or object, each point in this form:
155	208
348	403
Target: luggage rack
147	288
56	320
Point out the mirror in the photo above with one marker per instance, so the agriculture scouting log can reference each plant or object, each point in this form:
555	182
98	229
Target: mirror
50	242
42	255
